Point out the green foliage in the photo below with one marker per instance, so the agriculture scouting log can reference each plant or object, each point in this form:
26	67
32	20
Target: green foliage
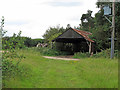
2	32
50	52
87	21
50	73
20	42
100	27
8	67
28	42
105	54
15	42
52	33
101	38
81	55
117	24
10	47
54	36
39	40
102	54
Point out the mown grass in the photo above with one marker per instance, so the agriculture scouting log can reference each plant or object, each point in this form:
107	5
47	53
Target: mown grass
50	73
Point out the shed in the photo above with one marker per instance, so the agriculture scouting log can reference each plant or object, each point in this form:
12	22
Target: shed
75	36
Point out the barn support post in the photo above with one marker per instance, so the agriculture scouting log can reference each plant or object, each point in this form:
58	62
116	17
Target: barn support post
90	46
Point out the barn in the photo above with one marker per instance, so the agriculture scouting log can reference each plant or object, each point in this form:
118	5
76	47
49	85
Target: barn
77	39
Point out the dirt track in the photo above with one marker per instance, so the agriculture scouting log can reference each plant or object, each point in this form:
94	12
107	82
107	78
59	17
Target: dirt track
61	58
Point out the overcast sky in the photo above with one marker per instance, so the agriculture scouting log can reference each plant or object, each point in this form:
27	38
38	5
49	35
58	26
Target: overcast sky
34	17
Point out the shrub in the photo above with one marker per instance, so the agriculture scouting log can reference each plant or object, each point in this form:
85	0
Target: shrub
9	45
105	54
13	42
81	55
50	52
8	66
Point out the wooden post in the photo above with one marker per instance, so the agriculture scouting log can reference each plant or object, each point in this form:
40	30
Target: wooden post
90	48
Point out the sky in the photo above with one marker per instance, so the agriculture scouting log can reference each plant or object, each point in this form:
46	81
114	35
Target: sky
34	17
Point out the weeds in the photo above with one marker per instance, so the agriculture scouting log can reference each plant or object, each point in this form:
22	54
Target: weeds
50	52
81	55
105	54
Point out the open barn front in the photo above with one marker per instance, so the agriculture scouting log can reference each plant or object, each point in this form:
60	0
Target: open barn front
72	47
74	40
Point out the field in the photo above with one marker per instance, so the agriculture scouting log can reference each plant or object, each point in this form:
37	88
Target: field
51	73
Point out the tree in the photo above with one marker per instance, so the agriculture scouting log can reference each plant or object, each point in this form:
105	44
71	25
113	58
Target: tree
87	21
68	26
52	33
101	27
117	24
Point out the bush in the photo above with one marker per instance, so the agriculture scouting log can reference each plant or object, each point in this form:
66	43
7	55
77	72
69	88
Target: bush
14	42
8	66
50	52
28	42
9	69
105	54
81	55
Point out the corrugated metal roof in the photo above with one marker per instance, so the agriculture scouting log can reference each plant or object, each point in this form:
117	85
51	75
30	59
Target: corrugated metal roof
84	34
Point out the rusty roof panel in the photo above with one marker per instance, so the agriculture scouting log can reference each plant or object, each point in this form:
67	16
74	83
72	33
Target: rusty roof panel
84	34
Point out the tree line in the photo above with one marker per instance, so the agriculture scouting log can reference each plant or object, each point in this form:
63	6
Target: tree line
17	41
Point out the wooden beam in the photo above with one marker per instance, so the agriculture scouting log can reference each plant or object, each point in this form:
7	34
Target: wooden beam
90	48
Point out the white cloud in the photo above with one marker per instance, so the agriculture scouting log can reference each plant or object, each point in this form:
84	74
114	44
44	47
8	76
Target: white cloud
34	17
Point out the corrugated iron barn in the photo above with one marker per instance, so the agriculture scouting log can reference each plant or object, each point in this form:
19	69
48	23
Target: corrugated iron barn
76	39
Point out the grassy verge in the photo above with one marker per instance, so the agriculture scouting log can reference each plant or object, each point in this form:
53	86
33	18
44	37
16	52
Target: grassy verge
49	73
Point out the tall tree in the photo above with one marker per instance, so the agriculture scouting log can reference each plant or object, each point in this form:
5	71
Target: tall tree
101	27
52	33
87	21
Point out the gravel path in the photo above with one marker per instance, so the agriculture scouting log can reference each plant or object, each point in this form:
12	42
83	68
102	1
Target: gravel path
61	58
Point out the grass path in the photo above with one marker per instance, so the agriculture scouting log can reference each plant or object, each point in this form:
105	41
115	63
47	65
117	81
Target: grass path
51	73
